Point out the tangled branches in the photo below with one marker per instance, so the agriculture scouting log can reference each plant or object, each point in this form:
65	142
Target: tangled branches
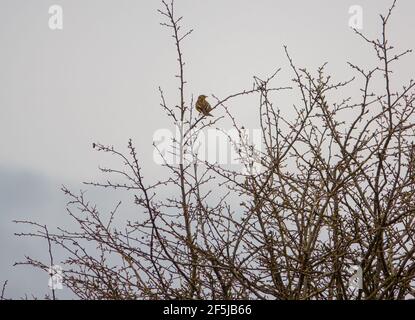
336	189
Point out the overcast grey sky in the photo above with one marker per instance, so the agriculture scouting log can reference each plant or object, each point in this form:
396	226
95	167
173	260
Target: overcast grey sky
97	80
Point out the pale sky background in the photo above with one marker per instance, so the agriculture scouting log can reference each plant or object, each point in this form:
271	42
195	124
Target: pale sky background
97	80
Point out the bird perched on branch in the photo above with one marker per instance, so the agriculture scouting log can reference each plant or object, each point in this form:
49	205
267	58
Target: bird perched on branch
203	106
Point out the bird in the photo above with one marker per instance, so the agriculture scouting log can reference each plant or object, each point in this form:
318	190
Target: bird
203	106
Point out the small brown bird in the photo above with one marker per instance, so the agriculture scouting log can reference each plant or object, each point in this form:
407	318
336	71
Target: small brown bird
203	106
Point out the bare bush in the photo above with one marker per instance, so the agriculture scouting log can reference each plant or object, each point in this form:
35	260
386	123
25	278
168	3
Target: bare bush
336	189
